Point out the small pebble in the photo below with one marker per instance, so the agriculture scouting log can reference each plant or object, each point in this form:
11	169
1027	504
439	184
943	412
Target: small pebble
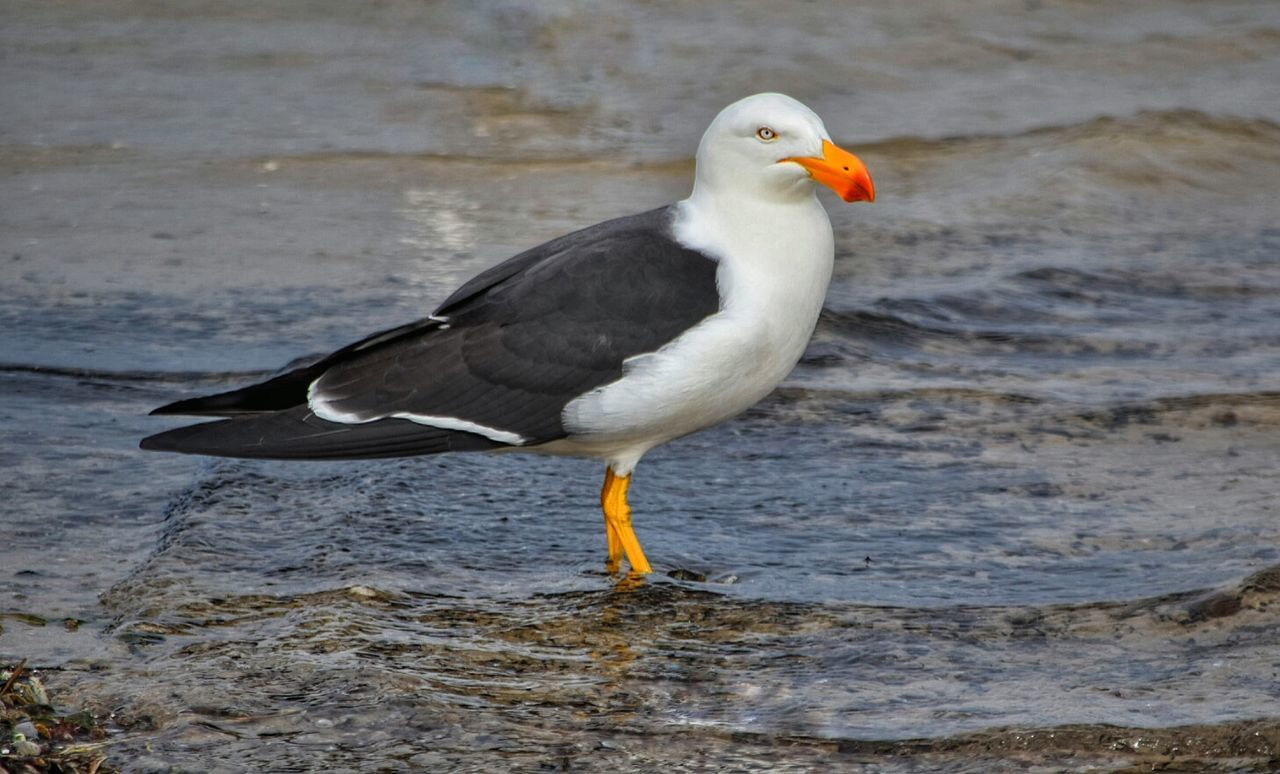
27	729
23	747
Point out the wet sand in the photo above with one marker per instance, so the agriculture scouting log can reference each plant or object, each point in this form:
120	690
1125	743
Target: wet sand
1015	510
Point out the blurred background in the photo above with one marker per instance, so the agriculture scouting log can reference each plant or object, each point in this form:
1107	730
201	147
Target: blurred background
1017	507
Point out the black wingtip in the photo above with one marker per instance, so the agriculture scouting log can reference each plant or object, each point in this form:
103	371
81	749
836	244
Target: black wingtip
188	407
298	434
149	443
162	442
202	438
283	392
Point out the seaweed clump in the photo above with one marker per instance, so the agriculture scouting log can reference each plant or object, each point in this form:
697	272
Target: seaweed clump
35	738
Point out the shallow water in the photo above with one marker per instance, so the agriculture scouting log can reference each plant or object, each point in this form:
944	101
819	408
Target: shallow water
1015	509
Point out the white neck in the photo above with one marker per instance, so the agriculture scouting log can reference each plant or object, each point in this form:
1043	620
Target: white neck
782	236
776	258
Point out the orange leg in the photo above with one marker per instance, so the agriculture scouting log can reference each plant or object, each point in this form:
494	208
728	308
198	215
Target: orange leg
610	529
617	524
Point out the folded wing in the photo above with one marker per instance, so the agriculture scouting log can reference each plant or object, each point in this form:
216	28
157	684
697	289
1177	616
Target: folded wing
495	365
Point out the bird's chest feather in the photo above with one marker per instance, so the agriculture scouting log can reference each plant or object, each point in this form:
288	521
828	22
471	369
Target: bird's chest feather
772	284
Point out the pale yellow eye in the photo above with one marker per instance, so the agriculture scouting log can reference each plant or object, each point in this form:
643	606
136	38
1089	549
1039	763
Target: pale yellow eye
766	134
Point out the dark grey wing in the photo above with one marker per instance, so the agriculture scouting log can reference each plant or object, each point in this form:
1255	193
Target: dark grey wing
511	354
299	434
655	220
519	342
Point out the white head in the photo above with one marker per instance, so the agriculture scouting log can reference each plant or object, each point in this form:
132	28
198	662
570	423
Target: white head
771	147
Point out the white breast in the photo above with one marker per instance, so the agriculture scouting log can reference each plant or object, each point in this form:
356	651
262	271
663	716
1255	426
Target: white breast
775	265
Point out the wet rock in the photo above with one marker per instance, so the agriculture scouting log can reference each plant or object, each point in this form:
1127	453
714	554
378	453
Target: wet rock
1217	605
27	729
1263	580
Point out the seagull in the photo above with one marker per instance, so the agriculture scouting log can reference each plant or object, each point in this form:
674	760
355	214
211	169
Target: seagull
603	343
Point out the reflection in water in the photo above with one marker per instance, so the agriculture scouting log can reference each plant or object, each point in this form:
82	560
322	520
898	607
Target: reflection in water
439	220
598	672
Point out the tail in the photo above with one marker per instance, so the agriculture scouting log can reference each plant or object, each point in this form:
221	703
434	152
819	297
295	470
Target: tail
297	434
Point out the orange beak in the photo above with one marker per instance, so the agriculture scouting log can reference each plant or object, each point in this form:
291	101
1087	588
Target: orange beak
841	171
